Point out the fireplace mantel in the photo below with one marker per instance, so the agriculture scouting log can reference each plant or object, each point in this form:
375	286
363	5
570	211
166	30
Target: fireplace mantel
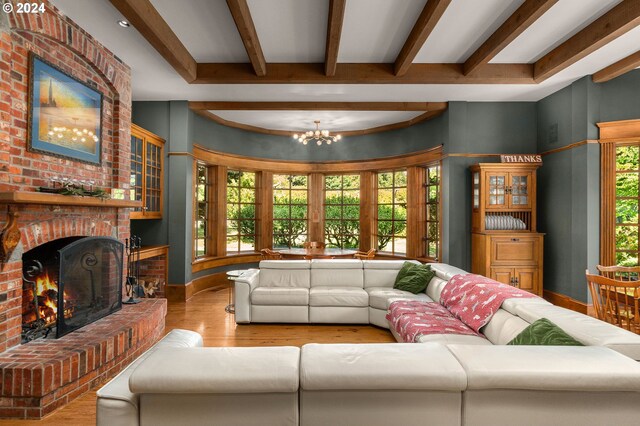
30	197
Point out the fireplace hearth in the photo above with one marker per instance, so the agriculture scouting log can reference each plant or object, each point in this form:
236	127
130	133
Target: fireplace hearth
69	283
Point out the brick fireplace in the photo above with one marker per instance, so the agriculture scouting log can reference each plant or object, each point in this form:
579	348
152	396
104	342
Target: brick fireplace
37	379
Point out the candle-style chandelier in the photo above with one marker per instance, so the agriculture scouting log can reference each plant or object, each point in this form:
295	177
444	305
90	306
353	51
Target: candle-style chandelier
317	135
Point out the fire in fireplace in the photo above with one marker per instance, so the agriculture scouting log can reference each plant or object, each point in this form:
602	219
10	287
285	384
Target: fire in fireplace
68	283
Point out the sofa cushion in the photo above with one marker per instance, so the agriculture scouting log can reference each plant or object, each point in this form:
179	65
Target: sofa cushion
382	273
544	332
379	296
379	366
280	296
503	327
337	277
336	264
547	368
338	296
240	370
587	330
285	264
445	271
413	278
286	277
446	339
435	287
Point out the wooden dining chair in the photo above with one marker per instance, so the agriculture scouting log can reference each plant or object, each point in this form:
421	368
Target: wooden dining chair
313	245
623	273
616	301
268	254
365	255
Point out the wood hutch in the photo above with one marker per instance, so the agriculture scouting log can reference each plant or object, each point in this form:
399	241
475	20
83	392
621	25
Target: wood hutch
504	243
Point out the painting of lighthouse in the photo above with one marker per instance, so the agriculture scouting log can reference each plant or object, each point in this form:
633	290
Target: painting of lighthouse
64	114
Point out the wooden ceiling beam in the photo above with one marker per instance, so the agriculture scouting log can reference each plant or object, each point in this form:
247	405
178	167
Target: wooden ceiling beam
423	27
617	21
334	31
623	66
146	19
529	12
307	73
316	106
242	17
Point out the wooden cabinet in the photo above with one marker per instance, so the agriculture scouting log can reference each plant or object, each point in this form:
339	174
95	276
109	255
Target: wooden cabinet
146	179
504	243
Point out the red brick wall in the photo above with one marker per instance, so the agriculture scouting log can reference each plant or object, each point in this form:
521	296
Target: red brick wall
61	42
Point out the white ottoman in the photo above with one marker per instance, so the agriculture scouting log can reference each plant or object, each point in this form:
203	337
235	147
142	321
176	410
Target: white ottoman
380	384
218	386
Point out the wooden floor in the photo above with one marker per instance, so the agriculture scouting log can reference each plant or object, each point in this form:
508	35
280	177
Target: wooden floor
205	314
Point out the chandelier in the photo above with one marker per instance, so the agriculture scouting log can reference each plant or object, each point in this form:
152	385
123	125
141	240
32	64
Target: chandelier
317	135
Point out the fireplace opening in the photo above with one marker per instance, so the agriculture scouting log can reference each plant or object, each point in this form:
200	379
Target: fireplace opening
68	283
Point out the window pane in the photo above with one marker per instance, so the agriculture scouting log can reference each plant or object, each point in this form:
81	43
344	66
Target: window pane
627	158
342	204
627	185
248	195
626	211
627	238
289	210
385	180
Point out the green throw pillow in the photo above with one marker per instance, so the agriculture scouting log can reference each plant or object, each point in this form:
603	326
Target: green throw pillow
544	332
413	278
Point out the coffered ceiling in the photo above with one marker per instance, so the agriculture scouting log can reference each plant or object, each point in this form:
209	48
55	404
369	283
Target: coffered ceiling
366	58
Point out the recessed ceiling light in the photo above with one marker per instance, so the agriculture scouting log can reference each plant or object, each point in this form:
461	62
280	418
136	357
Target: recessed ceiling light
124	24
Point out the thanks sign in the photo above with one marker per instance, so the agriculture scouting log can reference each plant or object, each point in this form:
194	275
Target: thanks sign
521	158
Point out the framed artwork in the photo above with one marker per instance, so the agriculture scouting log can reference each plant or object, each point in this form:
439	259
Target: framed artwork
65	115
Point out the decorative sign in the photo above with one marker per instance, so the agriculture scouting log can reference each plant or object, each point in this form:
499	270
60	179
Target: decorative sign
521	158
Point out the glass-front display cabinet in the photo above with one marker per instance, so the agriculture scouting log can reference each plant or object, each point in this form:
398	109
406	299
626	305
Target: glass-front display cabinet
146	178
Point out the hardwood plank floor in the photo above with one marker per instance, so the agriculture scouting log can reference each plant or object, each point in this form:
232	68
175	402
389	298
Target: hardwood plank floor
205	314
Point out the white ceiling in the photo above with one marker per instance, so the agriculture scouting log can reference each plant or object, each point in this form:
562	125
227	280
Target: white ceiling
373	31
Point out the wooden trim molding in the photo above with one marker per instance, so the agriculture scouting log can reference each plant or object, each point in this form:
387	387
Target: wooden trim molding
202	264
283	166
184	292
570	146
520	20
148	21
242	17
566	302
426	22
288	133
317	106
620	19
617	130
334	31
363	73
616	69
612	135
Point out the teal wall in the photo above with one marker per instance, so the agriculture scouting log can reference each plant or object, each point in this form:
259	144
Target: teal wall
464	127
568	185
569	181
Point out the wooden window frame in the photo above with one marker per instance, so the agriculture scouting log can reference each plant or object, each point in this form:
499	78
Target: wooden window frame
289	219
240	204
218	163
207	191
613	134
425	197
393	205
342	205
149	138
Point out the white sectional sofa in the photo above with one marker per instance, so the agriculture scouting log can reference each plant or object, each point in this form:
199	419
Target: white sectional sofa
359	292
444	380
373	384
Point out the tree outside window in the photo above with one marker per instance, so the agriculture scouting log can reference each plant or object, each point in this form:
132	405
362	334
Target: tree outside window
392	212
342	211
627	200
241	211
290	199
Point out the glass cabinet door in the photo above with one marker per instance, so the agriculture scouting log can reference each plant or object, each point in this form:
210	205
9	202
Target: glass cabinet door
519	190
135	181
496	186
476	190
